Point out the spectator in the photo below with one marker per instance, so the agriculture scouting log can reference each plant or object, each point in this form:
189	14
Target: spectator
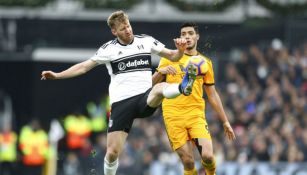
34	145
78	128
8	151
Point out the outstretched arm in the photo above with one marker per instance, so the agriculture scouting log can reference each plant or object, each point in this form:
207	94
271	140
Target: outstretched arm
175	55
216	103
161	73
157	77
73	71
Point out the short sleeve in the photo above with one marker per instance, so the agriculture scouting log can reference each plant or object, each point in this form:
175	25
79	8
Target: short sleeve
102	55
156	46
209	77
163	63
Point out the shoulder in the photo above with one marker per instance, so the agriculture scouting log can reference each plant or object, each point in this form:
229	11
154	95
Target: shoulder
143	36
205	57
108	44
146	39
164	60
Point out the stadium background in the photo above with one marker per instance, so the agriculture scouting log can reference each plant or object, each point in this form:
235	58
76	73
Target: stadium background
259	52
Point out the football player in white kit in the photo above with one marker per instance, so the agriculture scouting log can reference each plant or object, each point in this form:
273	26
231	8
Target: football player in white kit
128	60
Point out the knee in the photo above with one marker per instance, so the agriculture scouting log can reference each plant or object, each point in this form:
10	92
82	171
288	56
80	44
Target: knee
187	161
158	89
112	154
207	157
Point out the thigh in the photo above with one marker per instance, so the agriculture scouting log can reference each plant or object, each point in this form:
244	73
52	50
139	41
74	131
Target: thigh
144	110
186	150
122	115
199	133
155	97
176	131
198	127
204	147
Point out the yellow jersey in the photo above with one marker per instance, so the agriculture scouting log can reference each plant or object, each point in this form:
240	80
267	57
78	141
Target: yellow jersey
193	104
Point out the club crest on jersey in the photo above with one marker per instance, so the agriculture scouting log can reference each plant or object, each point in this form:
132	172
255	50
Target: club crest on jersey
140	46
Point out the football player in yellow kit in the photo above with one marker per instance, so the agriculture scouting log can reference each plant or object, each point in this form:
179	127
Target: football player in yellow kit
184	116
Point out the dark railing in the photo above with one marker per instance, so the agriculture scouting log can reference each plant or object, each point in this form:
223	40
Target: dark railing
201	5
109	4
277	7
284	8
24	3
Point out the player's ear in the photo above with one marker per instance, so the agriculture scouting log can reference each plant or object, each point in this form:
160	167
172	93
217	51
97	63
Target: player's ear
113	30
197	36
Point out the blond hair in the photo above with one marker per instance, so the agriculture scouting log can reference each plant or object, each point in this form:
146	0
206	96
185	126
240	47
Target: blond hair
118	16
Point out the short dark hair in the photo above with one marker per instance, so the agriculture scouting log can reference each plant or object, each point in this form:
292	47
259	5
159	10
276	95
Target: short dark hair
190	24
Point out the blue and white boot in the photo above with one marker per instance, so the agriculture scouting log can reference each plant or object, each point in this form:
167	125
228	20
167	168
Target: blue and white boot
188	80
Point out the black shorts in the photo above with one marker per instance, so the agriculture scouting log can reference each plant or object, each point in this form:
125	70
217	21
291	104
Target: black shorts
124	112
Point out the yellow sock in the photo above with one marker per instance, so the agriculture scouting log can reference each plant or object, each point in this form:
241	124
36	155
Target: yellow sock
209	167
190	172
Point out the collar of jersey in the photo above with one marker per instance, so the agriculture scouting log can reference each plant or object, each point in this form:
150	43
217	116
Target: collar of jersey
125	44
191	55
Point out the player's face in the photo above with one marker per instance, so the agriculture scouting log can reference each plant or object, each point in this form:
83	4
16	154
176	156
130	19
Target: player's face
191	36
123	31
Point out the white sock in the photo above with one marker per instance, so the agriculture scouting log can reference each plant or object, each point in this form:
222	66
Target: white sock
171	91
110	168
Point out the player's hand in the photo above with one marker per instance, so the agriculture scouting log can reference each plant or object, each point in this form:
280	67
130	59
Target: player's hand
181	44
48	75
168	70
229	131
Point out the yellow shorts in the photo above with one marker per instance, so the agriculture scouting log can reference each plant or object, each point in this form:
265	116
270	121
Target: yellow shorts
180	129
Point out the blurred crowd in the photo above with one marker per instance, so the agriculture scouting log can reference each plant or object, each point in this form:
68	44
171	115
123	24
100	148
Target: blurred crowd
264	90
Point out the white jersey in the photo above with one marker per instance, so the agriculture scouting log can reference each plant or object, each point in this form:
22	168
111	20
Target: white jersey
129	65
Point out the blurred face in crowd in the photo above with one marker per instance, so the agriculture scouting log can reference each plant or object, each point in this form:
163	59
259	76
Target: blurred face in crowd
120	27
6	128
35	125
190	35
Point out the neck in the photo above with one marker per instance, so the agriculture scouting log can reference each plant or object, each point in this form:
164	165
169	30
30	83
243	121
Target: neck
124	42
191	52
